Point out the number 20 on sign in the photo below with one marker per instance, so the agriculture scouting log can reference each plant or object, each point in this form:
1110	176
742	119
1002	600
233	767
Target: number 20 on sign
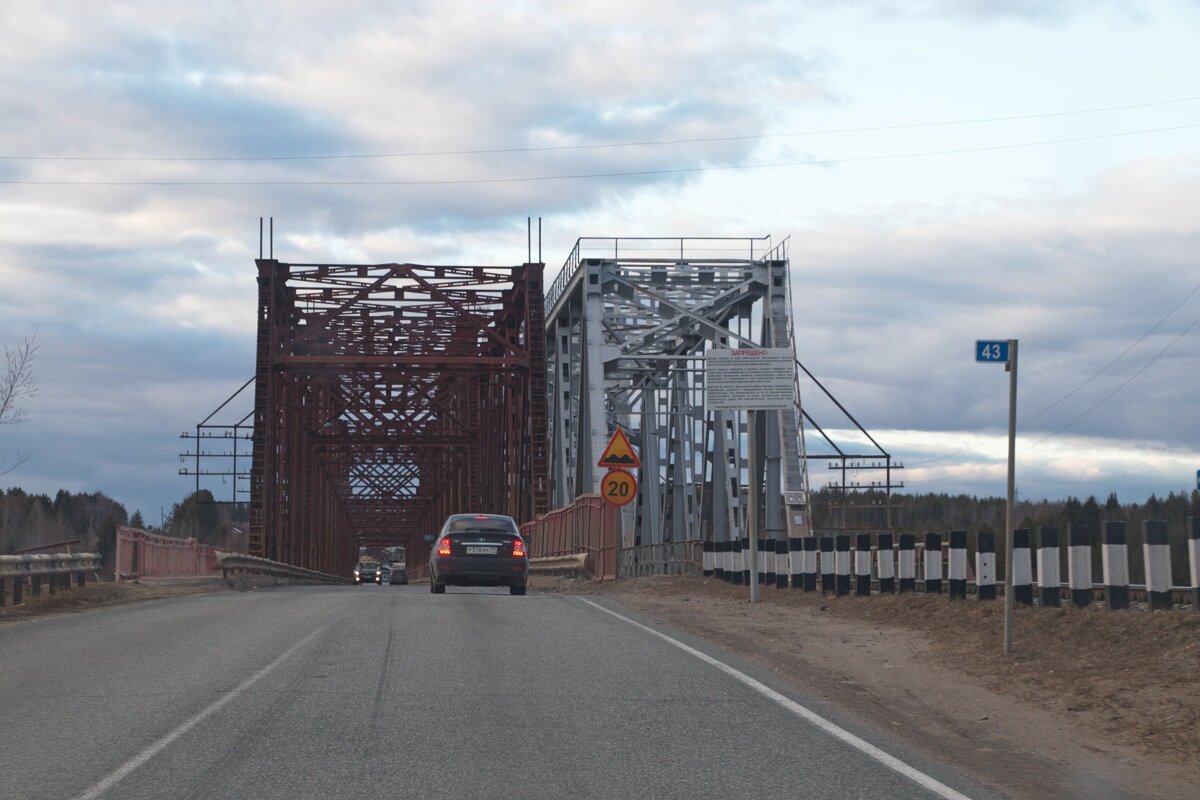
619	487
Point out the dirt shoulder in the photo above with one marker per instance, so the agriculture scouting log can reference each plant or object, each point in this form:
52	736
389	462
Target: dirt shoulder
1093	703
99	595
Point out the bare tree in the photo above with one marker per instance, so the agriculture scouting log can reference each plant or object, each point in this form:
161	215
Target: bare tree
16	385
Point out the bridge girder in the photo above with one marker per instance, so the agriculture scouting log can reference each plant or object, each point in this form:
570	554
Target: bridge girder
626	332
388	396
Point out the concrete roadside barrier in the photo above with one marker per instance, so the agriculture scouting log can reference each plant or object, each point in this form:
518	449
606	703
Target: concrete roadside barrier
1193	527
810	563
828	570
1114	555
1157	550
886	564
781	563
569	564
1049	567
841	546
957	566
907	565
933	563
1079	564
1022	568
862	564
985	566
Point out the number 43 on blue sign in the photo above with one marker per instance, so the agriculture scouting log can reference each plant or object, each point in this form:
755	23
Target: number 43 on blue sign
991	351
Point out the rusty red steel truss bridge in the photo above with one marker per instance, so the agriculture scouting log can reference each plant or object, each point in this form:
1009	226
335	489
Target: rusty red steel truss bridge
388	396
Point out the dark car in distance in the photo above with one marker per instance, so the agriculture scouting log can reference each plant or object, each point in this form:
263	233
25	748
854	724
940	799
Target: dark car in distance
364	572
391	574
479	550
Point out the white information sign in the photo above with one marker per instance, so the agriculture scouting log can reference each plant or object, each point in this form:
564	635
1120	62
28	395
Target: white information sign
760	379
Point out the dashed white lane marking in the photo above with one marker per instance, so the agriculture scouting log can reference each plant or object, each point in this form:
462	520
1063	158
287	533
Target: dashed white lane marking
123	771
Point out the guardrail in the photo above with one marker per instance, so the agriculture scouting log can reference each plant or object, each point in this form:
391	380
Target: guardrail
589	526
149	555
883	562
234	564
55	569
667	558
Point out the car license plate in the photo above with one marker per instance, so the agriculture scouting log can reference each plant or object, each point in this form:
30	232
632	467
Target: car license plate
480	551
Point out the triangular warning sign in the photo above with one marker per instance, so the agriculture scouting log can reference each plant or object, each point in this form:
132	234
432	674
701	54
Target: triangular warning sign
619	453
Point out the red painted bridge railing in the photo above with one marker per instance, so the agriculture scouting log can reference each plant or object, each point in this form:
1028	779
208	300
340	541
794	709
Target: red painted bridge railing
149	555
588	526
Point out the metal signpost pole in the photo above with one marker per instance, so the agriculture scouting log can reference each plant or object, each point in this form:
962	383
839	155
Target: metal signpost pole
1008	509
752	500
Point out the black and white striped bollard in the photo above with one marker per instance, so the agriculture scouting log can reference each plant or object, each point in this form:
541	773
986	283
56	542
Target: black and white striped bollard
841	546
1157	549
781	563
1049	567
766	561
885	563
809	564
907	566
957	566
828	570
862	564
985	565
1022	568
1114	556
734	575
933	563
796	557
1193	527
745	561
1079	563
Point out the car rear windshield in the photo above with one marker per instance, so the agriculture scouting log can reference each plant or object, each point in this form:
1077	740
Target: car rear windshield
462	524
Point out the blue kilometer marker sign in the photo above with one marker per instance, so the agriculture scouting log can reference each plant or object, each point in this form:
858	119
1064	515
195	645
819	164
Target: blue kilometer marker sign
991	351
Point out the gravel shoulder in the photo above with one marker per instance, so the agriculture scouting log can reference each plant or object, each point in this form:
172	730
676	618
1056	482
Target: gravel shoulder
1093	703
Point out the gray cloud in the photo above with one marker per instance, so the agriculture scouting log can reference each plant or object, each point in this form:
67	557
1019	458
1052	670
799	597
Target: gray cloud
890	312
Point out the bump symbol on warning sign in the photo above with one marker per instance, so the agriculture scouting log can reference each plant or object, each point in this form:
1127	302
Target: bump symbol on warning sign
619	452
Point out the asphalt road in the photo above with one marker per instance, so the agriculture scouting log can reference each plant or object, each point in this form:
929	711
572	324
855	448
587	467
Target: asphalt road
319	692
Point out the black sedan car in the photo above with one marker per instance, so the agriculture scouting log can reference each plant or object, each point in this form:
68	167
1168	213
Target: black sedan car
479	550
364	572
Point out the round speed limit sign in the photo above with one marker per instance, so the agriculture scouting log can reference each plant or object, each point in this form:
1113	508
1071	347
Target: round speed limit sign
619	487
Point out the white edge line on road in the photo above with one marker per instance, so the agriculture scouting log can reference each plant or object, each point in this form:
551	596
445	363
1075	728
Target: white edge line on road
890	761
122	772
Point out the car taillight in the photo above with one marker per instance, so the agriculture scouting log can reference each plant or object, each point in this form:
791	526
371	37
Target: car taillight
518	548
444	547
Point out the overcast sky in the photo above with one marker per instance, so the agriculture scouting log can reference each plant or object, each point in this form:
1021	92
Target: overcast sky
946	171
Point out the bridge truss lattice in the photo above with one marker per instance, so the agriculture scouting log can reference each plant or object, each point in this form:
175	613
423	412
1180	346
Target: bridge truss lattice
627	324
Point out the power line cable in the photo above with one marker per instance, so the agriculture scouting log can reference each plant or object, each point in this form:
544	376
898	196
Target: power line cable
1122	385
607	145
594	175
1105	368
1069	394
1080	416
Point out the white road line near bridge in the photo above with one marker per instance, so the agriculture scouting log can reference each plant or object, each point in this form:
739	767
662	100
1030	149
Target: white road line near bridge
889	761
122	772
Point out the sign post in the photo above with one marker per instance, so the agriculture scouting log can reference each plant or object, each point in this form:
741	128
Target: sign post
751	380
1005	352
